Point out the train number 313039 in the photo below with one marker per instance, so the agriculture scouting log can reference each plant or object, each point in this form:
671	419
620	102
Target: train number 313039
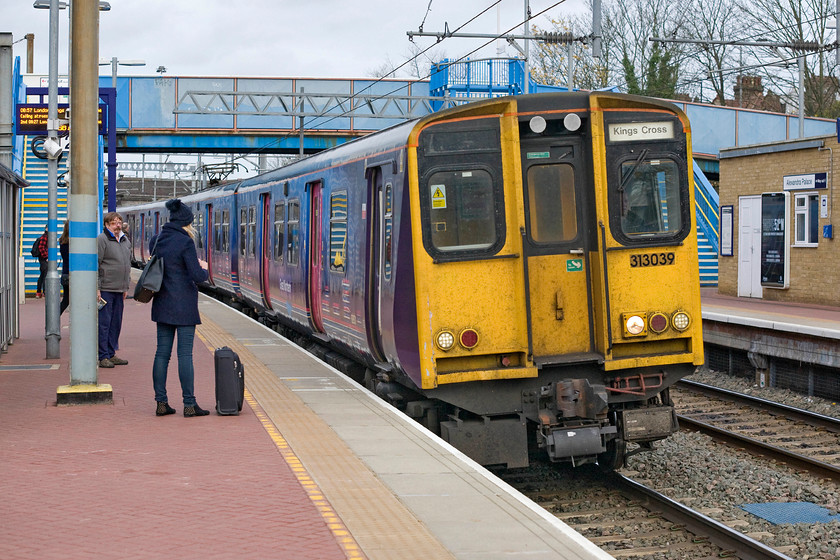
654	259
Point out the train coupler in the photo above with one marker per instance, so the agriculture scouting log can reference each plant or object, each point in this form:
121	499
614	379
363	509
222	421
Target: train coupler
578	444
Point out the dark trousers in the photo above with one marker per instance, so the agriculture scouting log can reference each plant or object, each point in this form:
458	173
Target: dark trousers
65	294
165	340
110	323
43	263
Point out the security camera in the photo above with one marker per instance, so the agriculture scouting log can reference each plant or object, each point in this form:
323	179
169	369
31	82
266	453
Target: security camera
52	147
55	146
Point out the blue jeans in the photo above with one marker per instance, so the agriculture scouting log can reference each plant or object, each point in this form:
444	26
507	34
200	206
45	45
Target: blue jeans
165	339
110	323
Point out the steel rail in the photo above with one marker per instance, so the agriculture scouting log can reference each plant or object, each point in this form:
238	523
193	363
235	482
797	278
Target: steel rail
701	525
797	414
819	468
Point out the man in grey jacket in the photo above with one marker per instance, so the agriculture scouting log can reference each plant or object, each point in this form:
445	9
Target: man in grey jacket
114	249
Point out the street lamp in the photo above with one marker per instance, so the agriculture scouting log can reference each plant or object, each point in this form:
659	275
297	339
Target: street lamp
114	62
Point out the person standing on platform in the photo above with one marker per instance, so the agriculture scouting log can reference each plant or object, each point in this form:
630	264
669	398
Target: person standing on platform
43	263
64	248
114	251
175	306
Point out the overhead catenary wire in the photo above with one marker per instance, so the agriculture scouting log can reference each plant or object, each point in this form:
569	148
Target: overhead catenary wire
409	82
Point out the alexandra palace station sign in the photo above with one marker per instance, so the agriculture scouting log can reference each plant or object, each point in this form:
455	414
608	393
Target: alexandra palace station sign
32	119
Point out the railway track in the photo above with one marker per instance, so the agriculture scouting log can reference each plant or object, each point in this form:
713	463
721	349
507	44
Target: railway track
630	520
802	439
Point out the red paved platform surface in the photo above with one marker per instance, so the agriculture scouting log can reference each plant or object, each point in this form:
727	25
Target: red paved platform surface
115	481
797	313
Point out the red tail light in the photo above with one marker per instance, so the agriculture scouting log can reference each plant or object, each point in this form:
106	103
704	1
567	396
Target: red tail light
468	338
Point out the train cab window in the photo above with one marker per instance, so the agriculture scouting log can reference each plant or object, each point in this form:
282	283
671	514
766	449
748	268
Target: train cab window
279	230
650	198
551	203
462	210
293	232
388	227
338	230
252	231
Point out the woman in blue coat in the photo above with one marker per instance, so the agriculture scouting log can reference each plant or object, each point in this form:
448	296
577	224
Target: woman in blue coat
175	306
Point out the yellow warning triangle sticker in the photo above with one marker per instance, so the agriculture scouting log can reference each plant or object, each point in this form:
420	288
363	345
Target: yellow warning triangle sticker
437	193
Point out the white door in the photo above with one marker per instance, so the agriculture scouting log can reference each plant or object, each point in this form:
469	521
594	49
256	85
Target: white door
749	246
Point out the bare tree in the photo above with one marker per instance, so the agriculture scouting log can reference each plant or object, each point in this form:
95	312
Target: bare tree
716	64
802	22
641	66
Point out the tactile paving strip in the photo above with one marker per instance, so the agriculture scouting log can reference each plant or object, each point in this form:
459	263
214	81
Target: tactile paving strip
373	516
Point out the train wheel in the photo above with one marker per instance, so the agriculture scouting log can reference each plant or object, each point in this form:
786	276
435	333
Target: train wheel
613	457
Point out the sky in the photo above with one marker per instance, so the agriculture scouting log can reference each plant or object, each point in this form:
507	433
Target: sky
277	38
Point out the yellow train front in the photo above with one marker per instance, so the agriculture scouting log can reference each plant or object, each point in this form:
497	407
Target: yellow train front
556	274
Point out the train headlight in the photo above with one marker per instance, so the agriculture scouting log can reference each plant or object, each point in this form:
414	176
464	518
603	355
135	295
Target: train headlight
635	324
658	322
680	320
445	340
468	338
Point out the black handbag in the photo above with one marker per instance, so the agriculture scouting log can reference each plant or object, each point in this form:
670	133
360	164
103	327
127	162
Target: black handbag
150	279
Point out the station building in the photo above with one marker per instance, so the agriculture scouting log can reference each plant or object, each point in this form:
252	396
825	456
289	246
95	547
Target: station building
779	202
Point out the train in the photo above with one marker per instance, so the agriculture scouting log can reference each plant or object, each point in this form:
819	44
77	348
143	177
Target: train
519	274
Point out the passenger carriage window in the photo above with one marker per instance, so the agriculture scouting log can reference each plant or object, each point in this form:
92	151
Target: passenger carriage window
279	229
252	231
551	203
338	230
226	231
649	197
149	230
198	225
293	232
217	230
243	230
389	225
461	210
131	233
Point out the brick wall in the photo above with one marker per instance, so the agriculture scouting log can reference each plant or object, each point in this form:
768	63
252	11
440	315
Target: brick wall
814	271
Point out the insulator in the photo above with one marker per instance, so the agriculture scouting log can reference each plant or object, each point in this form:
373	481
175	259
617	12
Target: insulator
555	37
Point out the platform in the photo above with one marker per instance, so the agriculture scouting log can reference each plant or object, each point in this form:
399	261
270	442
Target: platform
765	331
814	320
314	467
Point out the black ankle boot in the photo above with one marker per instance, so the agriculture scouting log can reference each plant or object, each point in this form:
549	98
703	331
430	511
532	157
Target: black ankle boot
163	409
195	410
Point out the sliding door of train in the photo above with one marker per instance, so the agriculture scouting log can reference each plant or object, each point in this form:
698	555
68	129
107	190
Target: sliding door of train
315	260
379	256
557	246
265	228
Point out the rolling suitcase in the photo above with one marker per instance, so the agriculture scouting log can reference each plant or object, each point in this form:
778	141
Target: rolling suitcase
230	381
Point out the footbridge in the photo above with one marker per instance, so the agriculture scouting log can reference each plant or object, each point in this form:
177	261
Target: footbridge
217	115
